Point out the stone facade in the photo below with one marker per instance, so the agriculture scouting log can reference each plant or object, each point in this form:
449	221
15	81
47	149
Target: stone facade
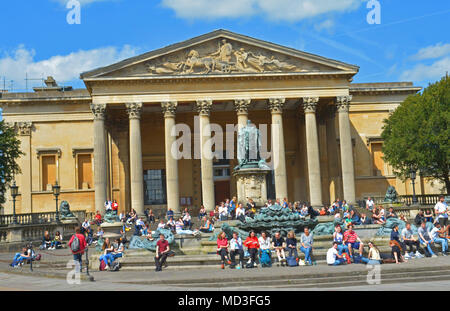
97	142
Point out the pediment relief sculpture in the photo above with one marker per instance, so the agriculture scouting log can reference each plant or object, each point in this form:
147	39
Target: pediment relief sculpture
226	59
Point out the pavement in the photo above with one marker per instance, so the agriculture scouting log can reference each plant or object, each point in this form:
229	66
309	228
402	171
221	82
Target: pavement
51	273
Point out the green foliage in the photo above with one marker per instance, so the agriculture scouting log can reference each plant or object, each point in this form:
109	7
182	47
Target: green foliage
9	153
417	136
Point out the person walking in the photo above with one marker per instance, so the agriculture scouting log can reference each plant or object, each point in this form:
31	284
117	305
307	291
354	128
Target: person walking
77	244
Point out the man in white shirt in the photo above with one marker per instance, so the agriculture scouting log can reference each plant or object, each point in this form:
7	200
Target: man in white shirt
236	248
333	257
223	212
240	212
434	233
441	210
369	203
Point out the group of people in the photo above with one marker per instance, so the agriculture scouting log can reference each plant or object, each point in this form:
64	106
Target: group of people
259	249
52	243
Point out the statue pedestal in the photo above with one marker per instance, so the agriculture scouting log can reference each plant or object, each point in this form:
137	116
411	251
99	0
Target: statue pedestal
251	184
111	230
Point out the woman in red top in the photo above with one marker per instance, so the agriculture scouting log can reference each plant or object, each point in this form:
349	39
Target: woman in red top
253	245
222	248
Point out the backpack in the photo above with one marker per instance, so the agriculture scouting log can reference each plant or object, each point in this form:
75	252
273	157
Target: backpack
115	266
75	246
265	259
102	266
291	261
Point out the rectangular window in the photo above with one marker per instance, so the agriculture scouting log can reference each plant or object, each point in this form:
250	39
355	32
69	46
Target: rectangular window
84	171
48	172
155	187
378	163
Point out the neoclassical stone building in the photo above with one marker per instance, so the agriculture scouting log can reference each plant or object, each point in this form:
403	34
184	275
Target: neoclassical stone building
112	139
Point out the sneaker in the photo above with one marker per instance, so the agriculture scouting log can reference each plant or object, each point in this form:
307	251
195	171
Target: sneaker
412	254
433	256
222	266
229	262
238	267
419	255
407	256
444	254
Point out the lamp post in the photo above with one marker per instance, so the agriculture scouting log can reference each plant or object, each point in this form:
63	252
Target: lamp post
56	192
413	179
14	194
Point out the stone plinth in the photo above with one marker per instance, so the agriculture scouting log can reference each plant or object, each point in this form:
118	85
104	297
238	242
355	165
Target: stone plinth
111	230
251	184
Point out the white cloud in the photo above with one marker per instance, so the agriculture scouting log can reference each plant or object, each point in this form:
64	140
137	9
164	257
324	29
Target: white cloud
325	25
433	51
422	72
290	10
64	68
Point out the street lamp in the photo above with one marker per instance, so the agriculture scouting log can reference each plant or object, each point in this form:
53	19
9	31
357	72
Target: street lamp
413	178
14	194
56	192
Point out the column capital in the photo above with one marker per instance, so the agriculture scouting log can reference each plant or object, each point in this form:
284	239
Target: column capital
343	103
24	128
99	111
309	104
169	108
276	105
241	105
204	107
134	110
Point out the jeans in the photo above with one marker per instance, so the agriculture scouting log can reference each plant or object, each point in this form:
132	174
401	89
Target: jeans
55	244
160	261
78	257
342	249
223	254
338	261
253	252
443	242
428	247
412	244
307	252
370	261
233	254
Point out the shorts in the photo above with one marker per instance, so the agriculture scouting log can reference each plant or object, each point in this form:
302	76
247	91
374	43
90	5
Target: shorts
354	245
443	221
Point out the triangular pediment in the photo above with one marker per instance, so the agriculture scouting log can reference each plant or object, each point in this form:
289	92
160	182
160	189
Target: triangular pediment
218	53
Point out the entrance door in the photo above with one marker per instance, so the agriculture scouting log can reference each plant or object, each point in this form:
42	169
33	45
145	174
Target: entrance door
222	190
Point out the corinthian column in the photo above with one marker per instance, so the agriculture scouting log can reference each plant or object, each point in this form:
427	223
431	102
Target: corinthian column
345	137
100	172
241	106
312	151
169	110
136	171
204	109
278	151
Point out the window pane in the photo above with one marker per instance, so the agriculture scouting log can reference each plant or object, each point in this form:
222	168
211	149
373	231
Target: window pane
155	187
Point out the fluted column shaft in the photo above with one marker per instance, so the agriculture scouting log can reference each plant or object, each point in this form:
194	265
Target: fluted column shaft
278	150
204	109
312	151
136	170
172	182
345	136
100	169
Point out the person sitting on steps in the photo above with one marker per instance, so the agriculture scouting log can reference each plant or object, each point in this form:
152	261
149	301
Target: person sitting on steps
279	245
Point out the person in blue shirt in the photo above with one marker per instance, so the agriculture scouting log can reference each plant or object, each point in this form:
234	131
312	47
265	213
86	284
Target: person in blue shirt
170	214
232	208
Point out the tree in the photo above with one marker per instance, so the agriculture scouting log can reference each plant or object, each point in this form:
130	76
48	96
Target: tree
9	153
417	134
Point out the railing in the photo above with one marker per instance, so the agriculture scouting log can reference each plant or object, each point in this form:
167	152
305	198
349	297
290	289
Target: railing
423	199
40	218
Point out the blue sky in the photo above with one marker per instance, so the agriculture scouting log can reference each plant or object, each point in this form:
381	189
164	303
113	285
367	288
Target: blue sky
412	43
